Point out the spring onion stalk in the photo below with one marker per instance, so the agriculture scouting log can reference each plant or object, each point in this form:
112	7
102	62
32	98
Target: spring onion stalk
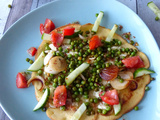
72	76
79	112
43	100
142	71
66	41
111	33
117	108
97	22
38	63
46	36
154	8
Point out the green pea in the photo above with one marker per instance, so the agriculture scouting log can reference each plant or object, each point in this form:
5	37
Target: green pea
104	111
40	72
147	88
77	99
98	58
89	51
133	53
107	64
62	108
76	93
74	89
66	51
55	80
108	108
9	6
62	76
131	42
46	83
98	66
72	43
59	78
85	93
135	50
49	78
91	84
119	43
27	59
96	14
80	89
92	52
47	47
95	100
121	80
87	103
81	45
55	85
127	49
57	54
103	65
156	18
31	61
78	85
69	55
123	49
118	52
54	53
60	49
91	100
51	75
99	111
103	88
92	87
83	82
85	96
136	108
118	76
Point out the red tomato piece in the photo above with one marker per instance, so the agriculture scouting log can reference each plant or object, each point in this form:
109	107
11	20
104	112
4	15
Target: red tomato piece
94	42
68	31
47	27
109	73
133	62
41	28
21	81
110	97
60	96
32	51
57	38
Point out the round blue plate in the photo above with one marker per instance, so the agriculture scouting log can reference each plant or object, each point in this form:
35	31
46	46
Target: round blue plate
19	103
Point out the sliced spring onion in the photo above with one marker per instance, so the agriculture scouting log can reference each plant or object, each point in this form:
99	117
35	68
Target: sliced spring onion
79	112
154	8
38	63
111	33
97	22
142	71
43	100
66	41
72	76
117	108
46	36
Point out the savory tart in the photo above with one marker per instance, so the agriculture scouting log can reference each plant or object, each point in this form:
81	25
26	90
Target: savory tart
86	75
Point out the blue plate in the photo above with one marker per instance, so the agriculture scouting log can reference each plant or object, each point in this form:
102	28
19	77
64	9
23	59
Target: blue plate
19	103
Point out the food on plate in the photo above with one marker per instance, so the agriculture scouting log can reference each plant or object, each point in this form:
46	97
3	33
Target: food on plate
86	72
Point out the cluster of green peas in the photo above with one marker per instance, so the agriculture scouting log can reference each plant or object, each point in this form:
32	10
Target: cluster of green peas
81	88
